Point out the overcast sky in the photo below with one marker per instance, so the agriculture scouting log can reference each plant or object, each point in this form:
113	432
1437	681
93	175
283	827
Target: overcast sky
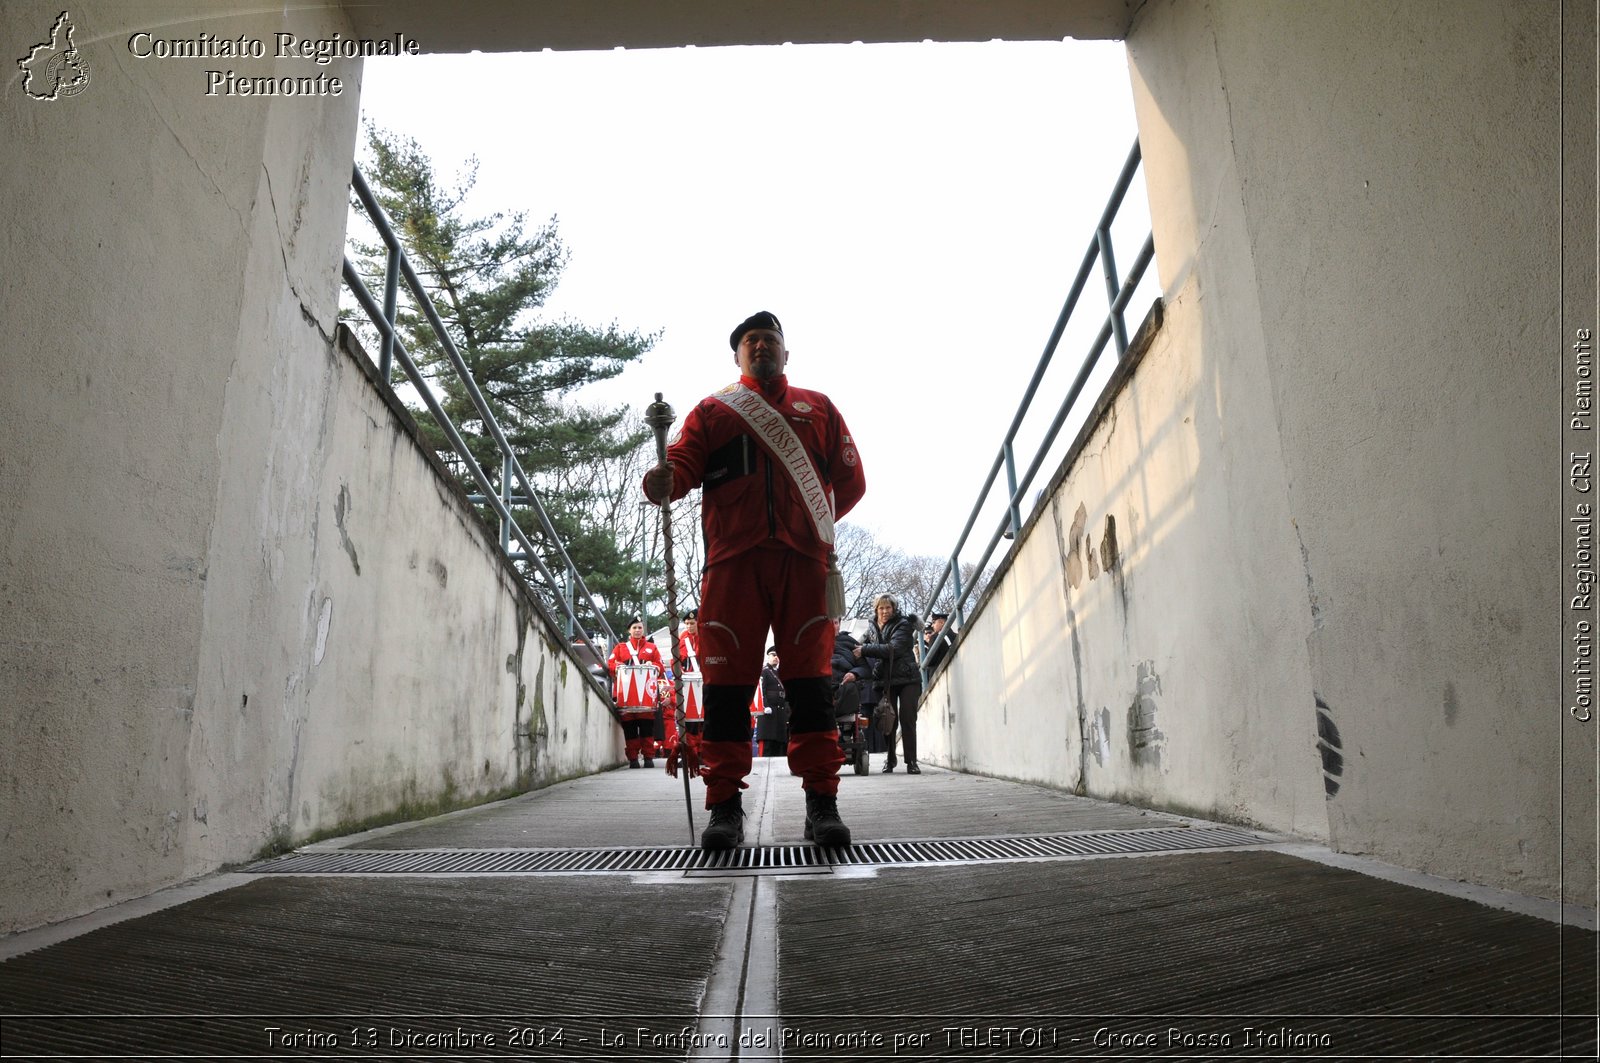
914	215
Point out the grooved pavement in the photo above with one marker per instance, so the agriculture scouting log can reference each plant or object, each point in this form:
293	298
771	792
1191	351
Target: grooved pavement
1210	954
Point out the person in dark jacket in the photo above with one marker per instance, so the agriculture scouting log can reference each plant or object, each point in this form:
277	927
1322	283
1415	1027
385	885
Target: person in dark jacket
891	646
772	729
852	677
934	647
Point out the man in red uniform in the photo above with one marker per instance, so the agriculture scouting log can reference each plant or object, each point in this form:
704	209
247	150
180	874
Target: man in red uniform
636	695
778	466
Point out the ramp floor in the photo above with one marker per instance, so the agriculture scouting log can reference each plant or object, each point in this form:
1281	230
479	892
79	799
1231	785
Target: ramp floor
1002	921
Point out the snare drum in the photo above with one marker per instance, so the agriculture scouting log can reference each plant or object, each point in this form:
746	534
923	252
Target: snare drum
636	687
693	690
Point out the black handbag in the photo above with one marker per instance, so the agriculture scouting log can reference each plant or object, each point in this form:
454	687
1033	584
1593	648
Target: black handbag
884	718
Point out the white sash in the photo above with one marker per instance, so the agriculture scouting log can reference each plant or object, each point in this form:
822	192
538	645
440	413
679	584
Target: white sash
638	658
772	429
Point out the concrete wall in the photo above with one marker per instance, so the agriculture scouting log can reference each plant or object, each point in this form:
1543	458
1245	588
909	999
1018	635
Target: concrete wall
1141	645
1330	471
240	608
1289	580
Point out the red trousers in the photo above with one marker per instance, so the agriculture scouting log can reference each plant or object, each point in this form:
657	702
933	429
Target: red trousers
639	731
741	598
745	595
814	756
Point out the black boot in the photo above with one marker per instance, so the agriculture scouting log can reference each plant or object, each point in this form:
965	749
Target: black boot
888	765
633	762
649	761
726	829
823	824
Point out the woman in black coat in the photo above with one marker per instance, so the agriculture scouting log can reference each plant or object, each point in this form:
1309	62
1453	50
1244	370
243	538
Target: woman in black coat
890	645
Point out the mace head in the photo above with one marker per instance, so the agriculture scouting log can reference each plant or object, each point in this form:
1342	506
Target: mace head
658	414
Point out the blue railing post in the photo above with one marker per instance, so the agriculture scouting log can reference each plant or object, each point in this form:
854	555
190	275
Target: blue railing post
505	496
391	307
1012	512
1108	266
955	578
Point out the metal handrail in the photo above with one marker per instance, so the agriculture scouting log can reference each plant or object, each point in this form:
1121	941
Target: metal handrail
498	498
1118	293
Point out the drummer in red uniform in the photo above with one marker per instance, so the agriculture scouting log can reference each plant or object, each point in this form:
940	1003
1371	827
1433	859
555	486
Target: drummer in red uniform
689	644
687	663
637	672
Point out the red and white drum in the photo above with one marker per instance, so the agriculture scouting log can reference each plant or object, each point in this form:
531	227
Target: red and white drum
693	690
636	686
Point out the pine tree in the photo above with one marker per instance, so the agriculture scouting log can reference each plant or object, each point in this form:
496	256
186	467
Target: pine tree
487	277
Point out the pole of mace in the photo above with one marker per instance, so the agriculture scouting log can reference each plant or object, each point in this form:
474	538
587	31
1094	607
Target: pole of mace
658	415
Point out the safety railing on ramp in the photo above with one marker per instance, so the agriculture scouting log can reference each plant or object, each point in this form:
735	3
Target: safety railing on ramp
1119	292
561	595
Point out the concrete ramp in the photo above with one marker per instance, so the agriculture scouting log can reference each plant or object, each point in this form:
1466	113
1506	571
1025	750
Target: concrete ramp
974	917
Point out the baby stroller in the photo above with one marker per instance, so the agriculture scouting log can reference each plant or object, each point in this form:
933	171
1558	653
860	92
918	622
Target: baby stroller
849	713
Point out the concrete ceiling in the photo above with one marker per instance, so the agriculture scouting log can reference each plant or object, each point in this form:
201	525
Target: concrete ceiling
578	25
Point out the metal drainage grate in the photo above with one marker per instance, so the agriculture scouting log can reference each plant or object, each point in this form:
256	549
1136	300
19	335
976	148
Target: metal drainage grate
775	859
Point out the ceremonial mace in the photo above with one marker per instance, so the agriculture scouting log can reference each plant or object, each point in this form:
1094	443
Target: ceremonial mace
658	415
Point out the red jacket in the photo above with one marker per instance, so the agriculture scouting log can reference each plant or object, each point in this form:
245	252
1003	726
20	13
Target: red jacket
628	651
634	651
749	499
689	653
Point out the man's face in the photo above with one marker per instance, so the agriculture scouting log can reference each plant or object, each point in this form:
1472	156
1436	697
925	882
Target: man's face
772	660
938	624
762	354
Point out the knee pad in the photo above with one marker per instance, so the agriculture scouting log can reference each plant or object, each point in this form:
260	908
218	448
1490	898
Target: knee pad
727	709
810	705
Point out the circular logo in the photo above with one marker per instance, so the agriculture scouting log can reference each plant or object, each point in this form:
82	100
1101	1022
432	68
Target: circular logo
849	456
802	407
68	73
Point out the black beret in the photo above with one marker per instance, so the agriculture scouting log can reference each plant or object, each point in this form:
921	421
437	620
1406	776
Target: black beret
634	621
772	649
693	614
760	319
